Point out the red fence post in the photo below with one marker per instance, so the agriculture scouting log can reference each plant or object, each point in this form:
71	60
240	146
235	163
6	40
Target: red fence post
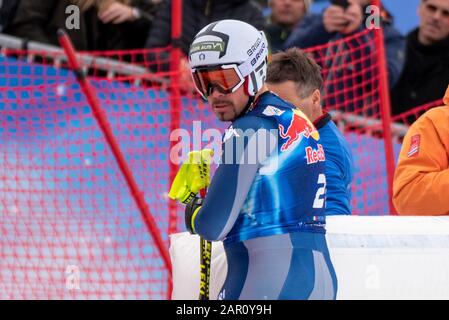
385	108
175	104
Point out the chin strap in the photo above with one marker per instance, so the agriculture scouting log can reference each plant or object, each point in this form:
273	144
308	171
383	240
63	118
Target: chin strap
249	104
248	107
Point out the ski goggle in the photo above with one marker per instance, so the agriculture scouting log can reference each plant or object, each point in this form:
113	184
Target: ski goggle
225	78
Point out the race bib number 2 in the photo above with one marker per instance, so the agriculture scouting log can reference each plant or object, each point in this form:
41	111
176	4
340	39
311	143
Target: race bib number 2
318	203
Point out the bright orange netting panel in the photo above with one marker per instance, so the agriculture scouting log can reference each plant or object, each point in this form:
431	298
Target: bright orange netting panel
351	71
408	117
69	226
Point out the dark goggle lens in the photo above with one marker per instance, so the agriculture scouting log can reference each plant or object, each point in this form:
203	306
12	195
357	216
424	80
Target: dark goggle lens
223	79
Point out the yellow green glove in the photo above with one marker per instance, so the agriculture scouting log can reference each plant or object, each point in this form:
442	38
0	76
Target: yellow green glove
193	176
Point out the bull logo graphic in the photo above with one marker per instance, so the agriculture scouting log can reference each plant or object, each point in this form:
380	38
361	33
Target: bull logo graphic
299	126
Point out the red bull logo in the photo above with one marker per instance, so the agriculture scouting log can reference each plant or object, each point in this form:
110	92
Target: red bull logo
299	126
315	156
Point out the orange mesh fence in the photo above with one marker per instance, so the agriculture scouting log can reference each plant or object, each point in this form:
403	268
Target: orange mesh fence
410	116
69	226
350	68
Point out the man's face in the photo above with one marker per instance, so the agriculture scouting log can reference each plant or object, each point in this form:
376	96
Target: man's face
227	107
434	21
288	90
287	12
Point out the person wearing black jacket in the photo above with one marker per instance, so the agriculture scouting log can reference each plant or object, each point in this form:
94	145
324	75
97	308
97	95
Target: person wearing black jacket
337	22
104	24
426	72
7	13
285	16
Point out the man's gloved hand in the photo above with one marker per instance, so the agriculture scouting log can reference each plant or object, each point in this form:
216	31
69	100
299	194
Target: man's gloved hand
193	176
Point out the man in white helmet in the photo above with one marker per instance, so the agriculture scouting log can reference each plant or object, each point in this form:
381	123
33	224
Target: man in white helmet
266	200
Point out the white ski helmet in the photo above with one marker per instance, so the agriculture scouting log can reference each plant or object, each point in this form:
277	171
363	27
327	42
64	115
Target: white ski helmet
230	44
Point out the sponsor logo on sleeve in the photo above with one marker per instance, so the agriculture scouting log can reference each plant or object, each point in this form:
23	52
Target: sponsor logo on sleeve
315	155
414	146
272	111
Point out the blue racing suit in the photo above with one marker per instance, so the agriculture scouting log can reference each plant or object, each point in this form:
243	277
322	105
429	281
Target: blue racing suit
269	209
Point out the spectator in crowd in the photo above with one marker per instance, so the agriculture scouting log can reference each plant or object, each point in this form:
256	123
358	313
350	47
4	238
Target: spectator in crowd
337	22
426	69
8	10
196	14
421	180
285	15
295	77
104	24
263	3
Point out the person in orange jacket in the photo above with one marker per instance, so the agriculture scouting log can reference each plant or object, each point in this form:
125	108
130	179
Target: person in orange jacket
421	180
